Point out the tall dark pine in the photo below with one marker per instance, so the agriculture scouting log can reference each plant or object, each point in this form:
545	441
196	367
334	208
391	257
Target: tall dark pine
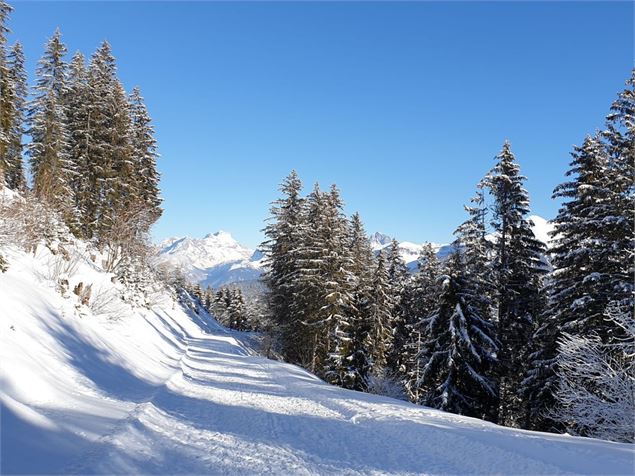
424	293
398	287
144	156
337	309
518	269
51	167
459	349
620	227
284	236
14	173
379	340
6	91
362	269
77	105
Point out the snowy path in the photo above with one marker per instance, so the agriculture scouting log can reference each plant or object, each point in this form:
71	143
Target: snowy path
229	411
164	391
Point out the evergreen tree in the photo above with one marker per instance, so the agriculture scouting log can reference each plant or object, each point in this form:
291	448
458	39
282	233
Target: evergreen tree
49	148
363	265
284	241
6	91
144	156
77	110
337	310
398	279
424	292
518	270
460	350
14	170
379	340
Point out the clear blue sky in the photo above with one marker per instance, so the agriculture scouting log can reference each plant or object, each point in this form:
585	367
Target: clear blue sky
403	105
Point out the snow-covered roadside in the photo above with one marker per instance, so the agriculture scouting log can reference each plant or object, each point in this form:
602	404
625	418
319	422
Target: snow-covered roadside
165	391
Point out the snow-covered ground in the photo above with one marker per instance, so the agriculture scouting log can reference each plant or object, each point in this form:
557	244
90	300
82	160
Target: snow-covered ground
166	391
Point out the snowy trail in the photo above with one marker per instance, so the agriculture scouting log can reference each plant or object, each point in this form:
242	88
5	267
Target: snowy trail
165	391
229	411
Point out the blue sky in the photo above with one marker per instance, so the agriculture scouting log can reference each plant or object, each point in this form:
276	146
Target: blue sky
403	105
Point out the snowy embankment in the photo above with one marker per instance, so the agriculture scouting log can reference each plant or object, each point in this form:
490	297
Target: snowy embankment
108	388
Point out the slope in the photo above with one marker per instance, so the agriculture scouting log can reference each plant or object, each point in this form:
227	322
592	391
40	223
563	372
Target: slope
165	390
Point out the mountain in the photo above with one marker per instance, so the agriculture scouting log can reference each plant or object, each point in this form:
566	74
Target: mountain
214	260
218	259
164	390
410	251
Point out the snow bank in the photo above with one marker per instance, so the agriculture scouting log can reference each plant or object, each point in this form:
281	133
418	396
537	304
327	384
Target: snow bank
110	388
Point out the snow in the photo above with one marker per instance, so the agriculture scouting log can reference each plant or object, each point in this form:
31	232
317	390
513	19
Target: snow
165	391
214	260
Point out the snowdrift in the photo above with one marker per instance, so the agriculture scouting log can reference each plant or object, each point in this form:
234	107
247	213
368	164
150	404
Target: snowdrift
113	388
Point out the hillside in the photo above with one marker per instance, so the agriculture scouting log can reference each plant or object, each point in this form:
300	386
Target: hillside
114	388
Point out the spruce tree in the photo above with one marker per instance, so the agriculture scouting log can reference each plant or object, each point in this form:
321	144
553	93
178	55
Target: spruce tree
284	235
50	162
363	265
398	280
14	171
424	293
379	340
144	156
6	91
518	270
459	349
77	107
336	300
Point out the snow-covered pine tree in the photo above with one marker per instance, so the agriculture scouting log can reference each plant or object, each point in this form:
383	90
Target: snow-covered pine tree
337	309
6	90
620	226
51	167
518	269
398	281
14	173
362	269
578	288
379	339
474	251
144	156
459	349
424	293
77	106
285	235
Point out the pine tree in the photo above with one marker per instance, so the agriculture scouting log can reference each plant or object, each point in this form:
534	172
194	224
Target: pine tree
285	235
109	168
619	224
518	270
77	107
379	340
336	313
363	265
6	91
459	350
398	280
49	148
424	293
144	156
14	174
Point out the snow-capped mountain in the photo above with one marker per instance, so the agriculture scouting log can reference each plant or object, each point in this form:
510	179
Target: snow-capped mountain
214	260
218	259
410	251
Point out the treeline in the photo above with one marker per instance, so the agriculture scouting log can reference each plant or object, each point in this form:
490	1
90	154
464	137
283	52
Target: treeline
486	332
92	152
228	304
